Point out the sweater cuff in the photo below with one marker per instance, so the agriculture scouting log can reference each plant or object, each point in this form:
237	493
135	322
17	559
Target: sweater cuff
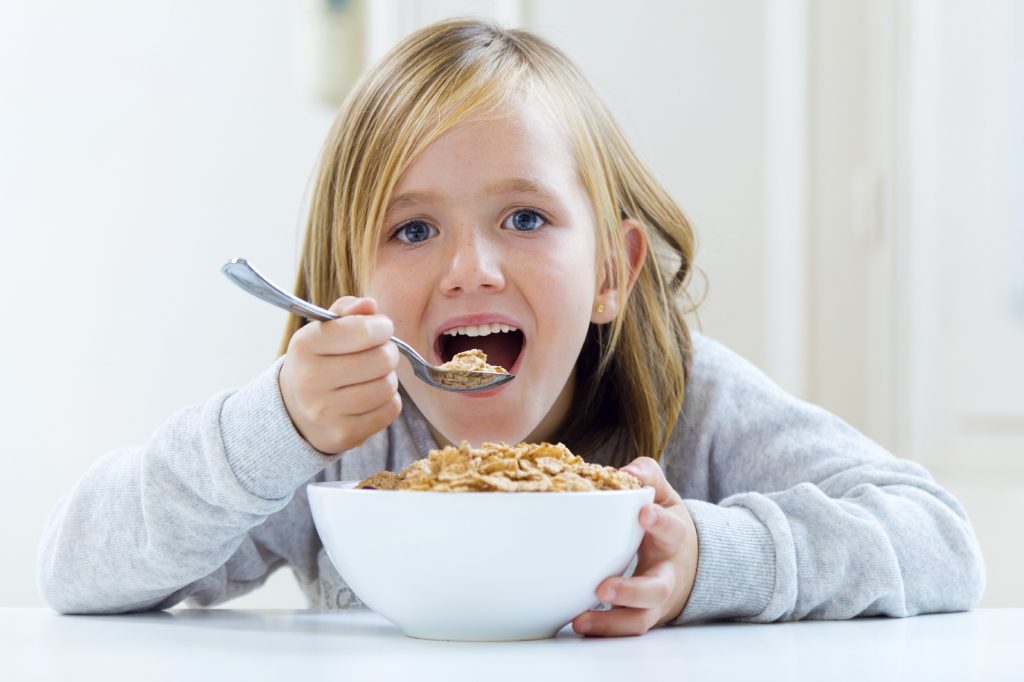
735	565
263	448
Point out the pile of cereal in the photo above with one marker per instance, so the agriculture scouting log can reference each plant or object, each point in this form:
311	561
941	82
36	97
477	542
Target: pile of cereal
527	467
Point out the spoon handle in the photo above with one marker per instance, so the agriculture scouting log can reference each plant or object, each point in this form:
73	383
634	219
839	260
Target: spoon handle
242	273
245	275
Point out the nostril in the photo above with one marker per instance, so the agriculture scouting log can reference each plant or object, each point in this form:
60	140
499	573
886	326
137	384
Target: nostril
470	269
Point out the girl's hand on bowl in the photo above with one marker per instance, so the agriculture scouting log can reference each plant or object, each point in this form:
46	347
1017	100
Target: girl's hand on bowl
666	566
338	379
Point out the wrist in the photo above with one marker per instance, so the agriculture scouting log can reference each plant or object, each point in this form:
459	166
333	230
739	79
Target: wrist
261	444
735	575
686	562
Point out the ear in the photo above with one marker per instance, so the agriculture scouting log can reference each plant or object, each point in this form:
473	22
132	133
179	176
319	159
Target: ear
609	299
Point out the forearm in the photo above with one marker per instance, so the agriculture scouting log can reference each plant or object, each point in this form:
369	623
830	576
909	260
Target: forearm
872	540
149	526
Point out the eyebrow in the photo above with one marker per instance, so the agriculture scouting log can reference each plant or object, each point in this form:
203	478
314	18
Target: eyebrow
502	187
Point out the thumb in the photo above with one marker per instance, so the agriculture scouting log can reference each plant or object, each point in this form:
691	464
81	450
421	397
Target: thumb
352	305
649	472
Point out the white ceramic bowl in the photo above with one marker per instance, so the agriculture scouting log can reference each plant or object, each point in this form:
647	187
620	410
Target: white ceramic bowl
477	566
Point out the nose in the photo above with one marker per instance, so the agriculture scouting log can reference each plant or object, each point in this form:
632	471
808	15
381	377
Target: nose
474	265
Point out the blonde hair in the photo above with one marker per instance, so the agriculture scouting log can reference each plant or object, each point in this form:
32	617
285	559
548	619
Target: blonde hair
631	373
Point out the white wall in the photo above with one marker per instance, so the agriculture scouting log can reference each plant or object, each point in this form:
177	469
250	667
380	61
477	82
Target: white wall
141	145
979	349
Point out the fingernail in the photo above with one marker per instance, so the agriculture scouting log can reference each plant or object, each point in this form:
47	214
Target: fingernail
609	595
650	516
582	626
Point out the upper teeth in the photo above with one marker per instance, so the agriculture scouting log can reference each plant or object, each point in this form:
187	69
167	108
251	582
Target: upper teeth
481	329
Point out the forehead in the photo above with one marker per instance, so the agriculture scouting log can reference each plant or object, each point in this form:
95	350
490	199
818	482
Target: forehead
520	142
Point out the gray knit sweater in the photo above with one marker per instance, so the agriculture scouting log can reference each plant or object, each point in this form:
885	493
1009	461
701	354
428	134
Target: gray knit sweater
798	515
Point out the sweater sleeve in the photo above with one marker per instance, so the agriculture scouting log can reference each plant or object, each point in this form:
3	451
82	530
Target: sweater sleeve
150	526
804	517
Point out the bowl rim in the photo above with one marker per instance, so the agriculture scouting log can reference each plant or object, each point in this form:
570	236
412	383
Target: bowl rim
349	487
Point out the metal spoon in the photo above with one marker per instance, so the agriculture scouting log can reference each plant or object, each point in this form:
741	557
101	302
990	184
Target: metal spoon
242	273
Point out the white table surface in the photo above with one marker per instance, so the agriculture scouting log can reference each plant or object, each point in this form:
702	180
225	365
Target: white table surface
221	645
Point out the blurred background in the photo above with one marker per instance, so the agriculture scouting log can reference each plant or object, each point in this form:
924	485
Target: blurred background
854	170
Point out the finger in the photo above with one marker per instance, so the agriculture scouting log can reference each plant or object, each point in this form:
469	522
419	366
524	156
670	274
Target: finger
358	368
664	533
380	417
332	372
346	335
651	590
615	623
364	398
649	472
358	428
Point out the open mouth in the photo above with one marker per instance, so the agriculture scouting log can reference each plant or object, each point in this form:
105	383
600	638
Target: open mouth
501	343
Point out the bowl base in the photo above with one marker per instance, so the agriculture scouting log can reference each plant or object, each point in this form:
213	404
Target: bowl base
480	637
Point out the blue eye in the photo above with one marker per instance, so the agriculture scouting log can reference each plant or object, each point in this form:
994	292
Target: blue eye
524	220
415	232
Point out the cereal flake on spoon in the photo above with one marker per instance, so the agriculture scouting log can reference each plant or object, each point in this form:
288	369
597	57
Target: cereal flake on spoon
458	370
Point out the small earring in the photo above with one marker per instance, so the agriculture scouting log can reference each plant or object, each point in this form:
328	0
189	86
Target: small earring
600	308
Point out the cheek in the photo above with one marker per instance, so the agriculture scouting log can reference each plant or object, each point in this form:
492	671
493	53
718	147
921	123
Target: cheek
560	290
565	269
394	296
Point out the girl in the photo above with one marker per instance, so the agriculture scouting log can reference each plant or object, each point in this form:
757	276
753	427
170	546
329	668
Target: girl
476	193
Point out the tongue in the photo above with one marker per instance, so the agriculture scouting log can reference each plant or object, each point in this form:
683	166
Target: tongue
501	349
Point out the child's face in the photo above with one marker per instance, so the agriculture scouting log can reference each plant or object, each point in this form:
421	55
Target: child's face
491	226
